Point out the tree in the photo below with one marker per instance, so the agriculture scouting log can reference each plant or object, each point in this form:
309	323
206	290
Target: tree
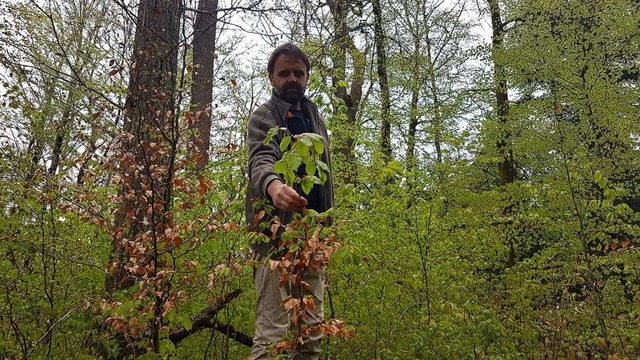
204	44
383	81
147	159
344	123
431	52
506	166
50	57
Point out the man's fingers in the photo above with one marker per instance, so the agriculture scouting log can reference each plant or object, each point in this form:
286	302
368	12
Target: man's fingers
291	200
295	197
285	197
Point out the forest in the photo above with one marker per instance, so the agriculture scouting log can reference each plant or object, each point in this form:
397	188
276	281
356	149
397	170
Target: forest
484	156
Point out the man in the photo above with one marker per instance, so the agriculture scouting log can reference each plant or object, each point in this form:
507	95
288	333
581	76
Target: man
288	69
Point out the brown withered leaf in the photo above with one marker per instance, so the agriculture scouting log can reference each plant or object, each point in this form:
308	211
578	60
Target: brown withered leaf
177	241
203	187
283	346
274	229
273	265
179	183
305	285
259	216
290	228
291	304
189	117
229	226
138	270
284	279
557	109
310	304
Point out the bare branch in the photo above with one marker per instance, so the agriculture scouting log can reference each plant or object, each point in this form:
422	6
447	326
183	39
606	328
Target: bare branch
207	320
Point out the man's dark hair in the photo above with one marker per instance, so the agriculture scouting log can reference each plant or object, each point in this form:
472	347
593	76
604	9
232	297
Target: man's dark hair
288	49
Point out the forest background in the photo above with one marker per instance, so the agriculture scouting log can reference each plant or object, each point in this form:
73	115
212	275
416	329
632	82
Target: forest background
484	153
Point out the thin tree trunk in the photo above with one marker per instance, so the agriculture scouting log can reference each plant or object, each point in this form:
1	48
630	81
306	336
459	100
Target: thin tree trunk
506	168
204	43
343	142
383	81
413	129
437	123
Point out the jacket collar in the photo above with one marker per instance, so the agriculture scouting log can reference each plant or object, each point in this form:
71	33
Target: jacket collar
282	107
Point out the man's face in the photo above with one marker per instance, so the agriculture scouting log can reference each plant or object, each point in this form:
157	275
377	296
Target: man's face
289	78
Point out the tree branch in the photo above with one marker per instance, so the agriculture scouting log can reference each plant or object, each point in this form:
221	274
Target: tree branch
207	320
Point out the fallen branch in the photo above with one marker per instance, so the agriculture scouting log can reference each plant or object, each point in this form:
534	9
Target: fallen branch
234	334
207	320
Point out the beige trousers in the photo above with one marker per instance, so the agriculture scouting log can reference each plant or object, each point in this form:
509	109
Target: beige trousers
272	320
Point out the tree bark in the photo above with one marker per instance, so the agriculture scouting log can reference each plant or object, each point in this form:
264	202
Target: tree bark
437	125
149	129
207	320
413	129
204	44
383	81
343	142
506	168
147	155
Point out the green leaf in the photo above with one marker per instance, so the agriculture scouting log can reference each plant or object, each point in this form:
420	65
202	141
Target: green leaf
597	176
323	166
602	183
285	143
395	166
307	185
323	176
167	347
289	177
310	166
318	146
294	161
339	257
301	149
306	141
280	167
186	323
270	135
314	137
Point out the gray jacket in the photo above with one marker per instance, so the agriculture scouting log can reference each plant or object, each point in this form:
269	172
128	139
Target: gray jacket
262	159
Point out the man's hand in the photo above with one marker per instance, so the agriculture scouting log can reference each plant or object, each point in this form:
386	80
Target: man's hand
284	197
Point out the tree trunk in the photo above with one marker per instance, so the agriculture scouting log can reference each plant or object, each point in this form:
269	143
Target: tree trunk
343	142
204	43
146	159
437	125
413	129
506	168
383	81
149	128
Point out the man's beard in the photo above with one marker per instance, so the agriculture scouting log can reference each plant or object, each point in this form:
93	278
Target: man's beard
291	93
